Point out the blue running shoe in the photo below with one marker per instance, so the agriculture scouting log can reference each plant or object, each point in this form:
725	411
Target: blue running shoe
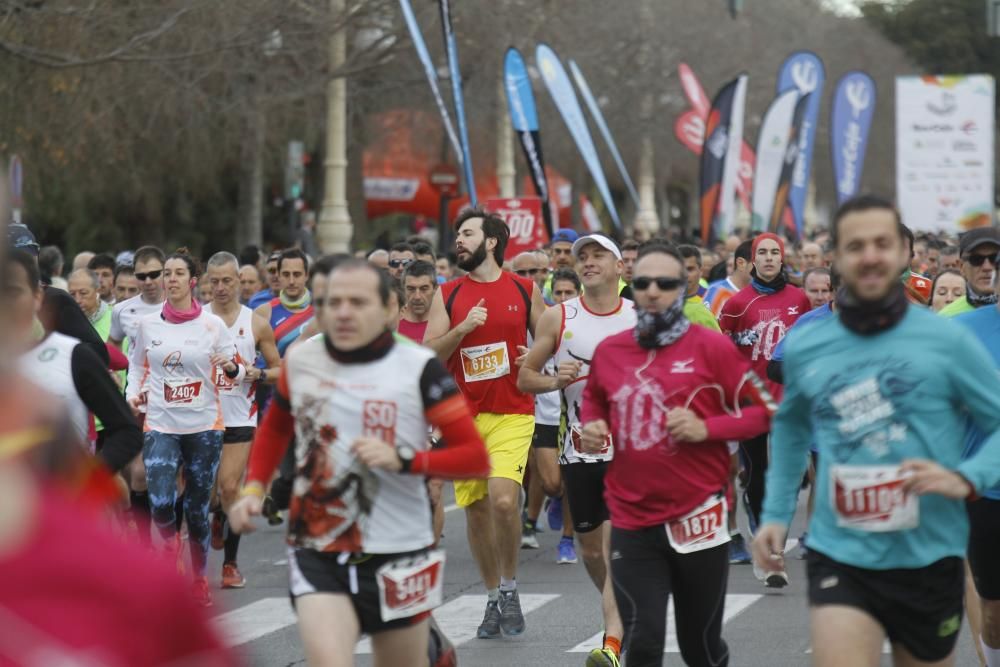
567	552
554	513
738	552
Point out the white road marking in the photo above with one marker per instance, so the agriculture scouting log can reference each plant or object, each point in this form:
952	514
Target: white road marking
255	620
451	508
886	648
736	603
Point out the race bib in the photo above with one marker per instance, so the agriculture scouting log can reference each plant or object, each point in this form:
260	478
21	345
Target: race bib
704	527
871	498
576	436
411	586
222	381
183	392
485	362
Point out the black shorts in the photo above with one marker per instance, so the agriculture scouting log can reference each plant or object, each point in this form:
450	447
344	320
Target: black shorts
312	571
584	484
546	436
238	434
984	546
919	608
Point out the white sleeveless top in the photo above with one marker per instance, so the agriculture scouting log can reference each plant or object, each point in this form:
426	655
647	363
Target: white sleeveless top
239	401
50	366
579	336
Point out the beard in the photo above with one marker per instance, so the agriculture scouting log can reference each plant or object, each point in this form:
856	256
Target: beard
475	259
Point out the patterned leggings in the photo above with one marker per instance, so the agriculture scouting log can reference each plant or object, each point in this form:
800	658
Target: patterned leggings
199	452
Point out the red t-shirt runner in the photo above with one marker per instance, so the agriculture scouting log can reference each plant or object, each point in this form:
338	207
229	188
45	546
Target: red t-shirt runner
412	330
483	364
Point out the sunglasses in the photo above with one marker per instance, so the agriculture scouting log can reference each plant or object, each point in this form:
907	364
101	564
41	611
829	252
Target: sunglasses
642	283
151	275
400	263
978	260
524	273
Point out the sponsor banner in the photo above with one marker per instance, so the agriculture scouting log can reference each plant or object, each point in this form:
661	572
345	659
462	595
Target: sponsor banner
713	158
727	201
803	71
782	200
432	77
772	146
524	120
944	151
558	84
451	49
595	113
690	131
523	216
391	189
850	122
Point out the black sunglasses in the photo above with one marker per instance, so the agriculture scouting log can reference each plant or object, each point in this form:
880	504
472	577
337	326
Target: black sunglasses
978	260
642	283
151	275
400	263
524	273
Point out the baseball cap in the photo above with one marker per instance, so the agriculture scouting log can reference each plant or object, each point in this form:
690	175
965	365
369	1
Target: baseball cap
125	258
564	236
599	239
19	237
977	237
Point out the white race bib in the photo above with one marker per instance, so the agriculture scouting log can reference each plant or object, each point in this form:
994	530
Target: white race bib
222	381
704	527
485	362
871	498
576	435
183	392
411	586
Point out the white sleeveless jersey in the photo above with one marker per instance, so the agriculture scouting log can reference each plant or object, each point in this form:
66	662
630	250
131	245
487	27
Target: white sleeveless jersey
50	366
338	504
546	405
579	336
239	401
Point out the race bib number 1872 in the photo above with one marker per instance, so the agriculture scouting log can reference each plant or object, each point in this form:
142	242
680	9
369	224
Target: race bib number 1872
704	527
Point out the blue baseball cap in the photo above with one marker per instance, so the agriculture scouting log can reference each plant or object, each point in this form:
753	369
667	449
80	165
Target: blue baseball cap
564	236
19	237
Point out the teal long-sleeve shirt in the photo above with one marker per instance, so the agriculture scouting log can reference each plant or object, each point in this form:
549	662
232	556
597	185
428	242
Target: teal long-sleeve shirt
905	393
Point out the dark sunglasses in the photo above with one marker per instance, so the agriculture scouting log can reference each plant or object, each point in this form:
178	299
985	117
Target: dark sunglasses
524	273
400	263
978	260
642	283
151	275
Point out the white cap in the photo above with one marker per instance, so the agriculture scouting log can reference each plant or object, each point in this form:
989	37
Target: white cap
599	239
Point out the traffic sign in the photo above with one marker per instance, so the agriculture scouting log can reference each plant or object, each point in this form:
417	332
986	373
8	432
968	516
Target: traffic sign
444	178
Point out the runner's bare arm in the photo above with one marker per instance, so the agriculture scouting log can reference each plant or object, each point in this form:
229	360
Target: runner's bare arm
310	330
264	335
530	378
264	310
440	337
538	308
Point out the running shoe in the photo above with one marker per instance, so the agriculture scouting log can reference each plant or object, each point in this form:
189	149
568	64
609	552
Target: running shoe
440	651
490	627
603	657
529	539
554	513
777	579
232	577
218	538
738	552
511	618
201	594
270	511
567	552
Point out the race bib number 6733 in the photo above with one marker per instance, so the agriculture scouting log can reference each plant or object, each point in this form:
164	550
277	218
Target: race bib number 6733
485	362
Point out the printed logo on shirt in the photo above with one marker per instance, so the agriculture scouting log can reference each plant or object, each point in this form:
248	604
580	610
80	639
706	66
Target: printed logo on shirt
48	354
379	420
682	366
512	308
793	310
172	364
157	343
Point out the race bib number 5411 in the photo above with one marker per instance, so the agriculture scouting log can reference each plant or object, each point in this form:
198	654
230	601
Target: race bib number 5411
411	586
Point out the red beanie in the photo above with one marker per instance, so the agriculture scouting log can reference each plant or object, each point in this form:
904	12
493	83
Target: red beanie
764	237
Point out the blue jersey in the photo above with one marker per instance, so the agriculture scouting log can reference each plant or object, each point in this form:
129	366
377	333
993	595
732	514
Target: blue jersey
869	403
260	298
985	325
814	315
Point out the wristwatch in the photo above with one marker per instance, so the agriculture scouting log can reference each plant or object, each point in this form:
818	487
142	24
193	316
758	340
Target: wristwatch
405	455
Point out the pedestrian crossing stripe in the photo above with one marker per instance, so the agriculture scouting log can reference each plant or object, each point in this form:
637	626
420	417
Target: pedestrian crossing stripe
736	603
886	648
255	620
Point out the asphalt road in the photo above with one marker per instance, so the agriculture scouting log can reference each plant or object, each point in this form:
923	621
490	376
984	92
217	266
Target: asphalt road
562	610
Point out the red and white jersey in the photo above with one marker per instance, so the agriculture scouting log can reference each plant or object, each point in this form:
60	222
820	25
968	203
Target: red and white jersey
172	365
581	331
338	503
239	400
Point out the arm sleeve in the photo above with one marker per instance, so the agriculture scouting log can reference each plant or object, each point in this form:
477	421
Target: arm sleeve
119	361
122	438
464	455
791	433
980	393
749	404
116	332
595	400
61	314
137	364
273	436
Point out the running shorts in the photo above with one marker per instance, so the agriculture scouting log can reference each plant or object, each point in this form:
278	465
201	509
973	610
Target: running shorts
984	546
238	434
508	440
312	571
545	436
919	608
585	491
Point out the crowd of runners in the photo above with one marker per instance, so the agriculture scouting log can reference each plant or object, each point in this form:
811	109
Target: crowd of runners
645	396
